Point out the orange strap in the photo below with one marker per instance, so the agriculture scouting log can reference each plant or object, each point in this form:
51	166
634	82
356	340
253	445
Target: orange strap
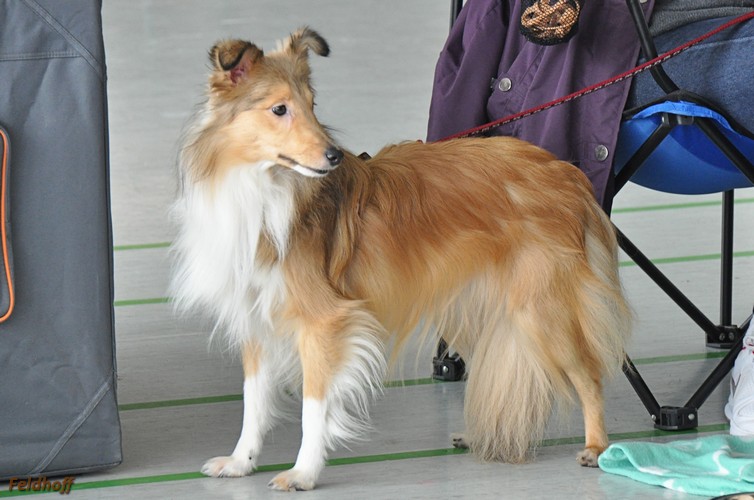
3	224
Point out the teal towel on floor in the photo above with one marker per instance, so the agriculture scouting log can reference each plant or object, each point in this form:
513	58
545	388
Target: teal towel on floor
710	465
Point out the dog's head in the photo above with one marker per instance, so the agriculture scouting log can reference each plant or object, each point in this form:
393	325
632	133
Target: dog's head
262	106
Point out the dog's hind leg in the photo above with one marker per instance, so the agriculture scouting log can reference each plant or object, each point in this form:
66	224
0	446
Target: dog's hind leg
258	412
589	390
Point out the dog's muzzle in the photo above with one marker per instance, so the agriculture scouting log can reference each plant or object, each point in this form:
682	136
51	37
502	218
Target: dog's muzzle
333	155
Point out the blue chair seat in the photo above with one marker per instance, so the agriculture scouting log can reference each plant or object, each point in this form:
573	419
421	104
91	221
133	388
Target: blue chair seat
686	162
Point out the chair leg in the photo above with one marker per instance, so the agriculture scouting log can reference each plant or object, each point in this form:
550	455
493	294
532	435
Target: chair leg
666	418
726	264
725	335
675	418
666	285
641	388
445	366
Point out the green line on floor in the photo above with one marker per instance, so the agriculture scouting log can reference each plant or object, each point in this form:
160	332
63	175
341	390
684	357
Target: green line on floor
689	258
673	206
412	382
653	433
141	302
149	405
169	403
141	246
386	457
623	436
681	357
366	459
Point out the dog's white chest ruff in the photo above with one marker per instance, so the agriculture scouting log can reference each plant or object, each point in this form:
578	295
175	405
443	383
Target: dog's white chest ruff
220	229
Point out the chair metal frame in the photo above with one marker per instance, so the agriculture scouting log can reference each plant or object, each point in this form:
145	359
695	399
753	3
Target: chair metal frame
724	334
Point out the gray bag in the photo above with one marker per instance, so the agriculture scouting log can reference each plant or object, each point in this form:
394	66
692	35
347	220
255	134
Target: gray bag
58	409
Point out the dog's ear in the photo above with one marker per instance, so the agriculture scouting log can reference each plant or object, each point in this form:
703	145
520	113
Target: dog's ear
233	61
305	39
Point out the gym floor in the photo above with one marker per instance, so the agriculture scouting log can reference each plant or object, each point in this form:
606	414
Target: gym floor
181	398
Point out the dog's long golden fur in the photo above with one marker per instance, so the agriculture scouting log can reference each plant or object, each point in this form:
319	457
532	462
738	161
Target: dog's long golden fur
312	259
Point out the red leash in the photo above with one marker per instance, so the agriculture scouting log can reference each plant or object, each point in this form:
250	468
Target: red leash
601	85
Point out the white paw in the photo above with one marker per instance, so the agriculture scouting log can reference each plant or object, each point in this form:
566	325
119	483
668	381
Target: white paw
227	467
293	480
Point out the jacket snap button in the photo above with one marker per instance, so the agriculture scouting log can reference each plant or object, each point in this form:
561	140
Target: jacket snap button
505	84
601	152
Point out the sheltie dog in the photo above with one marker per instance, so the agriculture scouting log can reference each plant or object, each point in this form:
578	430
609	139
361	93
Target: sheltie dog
311	260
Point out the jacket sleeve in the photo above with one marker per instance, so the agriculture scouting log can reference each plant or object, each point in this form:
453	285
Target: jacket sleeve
466	67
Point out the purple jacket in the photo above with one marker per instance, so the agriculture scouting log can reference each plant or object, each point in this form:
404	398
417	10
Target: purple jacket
488	70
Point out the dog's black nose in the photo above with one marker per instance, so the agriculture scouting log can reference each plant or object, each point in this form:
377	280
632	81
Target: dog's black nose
334	156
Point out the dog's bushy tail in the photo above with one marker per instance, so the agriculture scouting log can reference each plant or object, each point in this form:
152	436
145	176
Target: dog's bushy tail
508	401
563	318
605	317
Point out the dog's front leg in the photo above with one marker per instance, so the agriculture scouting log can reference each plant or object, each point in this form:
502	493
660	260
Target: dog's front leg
315	350
313	452
258	409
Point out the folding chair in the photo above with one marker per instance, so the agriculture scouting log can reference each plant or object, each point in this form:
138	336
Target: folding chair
686	145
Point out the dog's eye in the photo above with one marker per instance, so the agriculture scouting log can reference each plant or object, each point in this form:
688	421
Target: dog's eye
280	109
